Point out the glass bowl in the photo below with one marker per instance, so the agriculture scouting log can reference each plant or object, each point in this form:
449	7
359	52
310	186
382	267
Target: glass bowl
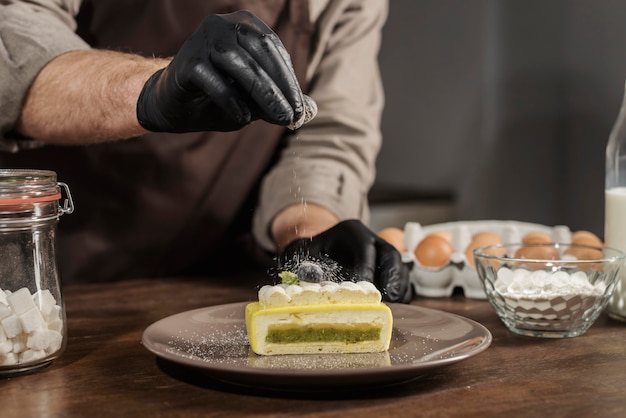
548	290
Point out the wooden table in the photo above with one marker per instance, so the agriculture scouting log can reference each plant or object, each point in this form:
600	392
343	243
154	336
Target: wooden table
105	370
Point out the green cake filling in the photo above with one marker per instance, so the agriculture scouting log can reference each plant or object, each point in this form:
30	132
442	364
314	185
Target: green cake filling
354	333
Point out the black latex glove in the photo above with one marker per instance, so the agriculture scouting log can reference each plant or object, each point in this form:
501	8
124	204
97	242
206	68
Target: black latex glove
360	254
232	70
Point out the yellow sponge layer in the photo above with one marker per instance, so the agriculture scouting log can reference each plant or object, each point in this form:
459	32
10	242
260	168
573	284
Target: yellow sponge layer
319	328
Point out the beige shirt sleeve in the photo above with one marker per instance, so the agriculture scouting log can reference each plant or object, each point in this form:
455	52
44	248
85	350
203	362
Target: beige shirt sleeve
331	160
31	34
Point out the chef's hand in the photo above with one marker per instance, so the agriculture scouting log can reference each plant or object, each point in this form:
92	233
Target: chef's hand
232	70
360	253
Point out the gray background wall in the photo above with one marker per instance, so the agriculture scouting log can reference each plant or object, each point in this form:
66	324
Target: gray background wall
503	105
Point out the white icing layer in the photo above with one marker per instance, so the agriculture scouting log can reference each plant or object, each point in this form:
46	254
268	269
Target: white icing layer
319	293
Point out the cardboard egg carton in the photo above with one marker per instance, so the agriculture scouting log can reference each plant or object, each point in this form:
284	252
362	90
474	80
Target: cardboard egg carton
458	272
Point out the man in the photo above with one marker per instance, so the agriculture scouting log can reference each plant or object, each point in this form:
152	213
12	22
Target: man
206	155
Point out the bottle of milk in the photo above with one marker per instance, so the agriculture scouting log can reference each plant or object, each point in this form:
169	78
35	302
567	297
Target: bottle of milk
615	206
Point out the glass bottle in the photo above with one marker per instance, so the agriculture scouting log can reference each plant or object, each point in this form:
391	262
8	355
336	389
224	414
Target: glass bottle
32	315
615	207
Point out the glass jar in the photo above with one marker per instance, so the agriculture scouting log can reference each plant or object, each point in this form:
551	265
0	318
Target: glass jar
32	315
615	207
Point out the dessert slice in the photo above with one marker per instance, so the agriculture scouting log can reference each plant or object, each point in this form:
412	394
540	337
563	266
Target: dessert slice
314	318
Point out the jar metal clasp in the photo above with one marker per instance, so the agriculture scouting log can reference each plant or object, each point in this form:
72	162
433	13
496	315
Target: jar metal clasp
67	206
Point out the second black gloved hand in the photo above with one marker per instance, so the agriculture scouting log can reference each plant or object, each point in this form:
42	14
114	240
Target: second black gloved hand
233	69
360	253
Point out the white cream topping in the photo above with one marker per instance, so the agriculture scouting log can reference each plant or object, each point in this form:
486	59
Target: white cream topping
319	293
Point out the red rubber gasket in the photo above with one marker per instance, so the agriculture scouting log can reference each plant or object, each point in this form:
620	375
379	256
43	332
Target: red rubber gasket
30	199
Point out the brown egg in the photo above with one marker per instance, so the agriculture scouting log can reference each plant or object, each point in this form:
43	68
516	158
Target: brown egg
433	251
586	238
469	251
480	239
486	238
536	238
584	253
447	235
394	236
538	252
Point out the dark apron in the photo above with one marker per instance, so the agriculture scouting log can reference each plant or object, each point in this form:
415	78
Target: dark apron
165	204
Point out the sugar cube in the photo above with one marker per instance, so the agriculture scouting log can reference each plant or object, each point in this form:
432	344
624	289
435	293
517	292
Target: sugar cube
31	320
31	326
45	301
9	359
38	340
56	325
11	325
32	355
55	341
19	343
20	301
44	339
4	311
6	347
54	314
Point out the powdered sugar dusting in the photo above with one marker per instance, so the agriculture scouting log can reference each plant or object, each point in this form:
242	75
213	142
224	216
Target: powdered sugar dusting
212	346
321	361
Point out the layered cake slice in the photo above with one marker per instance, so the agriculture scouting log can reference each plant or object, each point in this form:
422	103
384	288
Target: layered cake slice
314	318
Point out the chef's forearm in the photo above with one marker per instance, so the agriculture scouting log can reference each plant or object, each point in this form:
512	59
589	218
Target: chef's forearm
302	220
86	96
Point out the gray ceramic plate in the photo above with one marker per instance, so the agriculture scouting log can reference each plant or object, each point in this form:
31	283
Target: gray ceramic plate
213	340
